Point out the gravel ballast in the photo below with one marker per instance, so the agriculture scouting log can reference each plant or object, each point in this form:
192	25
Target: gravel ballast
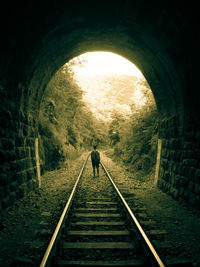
26	227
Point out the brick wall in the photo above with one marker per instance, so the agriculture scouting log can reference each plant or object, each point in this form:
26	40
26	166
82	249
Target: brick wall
180	169
18	173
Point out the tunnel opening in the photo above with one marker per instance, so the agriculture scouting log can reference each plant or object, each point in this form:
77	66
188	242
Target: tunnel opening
99	98
159	72
149	41
37	40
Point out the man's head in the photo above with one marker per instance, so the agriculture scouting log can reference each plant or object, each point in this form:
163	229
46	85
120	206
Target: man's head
94	147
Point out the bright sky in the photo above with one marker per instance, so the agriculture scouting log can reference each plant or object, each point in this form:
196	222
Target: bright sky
105	63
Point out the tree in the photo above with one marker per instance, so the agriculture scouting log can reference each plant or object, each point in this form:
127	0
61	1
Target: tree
66	125
136	140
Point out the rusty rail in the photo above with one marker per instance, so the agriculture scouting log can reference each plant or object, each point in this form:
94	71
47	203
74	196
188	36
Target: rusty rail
56	235
154	255
47	258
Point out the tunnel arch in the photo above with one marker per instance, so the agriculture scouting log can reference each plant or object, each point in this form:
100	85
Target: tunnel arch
39	39
159	72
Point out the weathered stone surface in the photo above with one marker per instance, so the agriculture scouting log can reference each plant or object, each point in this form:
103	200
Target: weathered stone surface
180	169
197	176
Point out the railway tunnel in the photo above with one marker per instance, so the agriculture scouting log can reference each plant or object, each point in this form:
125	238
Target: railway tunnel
158	37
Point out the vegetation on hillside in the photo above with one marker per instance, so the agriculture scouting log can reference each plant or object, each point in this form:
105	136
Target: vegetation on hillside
134	137
66	125
108	93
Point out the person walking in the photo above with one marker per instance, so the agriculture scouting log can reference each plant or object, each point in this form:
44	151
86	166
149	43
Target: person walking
95	158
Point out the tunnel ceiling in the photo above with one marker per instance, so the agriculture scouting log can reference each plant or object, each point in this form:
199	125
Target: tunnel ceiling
61	47
39	38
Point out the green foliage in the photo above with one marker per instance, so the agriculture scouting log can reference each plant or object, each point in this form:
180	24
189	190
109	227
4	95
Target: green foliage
66	125
137	138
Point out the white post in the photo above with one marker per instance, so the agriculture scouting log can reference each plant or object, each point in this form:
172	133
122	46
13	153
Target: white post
37	162
158	161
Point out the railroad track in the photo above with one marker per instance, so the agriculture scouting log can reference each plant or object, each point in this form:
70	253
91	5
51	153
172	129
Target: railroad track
97	228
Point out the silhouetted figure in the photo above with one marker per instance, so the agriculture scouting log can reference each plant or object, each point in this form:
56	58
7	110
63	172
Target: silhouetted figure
95	158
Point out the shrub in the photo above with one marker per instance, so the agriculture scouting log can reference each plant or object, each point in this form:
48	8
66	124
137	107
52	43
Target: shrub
138	140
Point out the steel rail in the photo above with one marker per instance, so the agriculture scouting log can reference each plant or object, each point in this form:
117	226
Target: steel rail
141	231
53	242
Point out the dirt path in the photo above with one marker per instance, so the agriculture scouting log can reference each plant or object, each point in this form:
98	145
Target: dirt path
27	226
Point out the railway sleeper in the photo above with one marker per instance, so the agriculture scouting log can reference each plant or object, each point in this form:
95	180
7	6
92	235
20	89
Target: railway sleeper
97	238
98	232
107	251
98	225
133	263
97	210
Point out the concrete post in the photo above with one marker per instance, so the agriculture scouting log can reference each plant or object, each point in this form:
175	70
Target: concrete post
37	162
158	161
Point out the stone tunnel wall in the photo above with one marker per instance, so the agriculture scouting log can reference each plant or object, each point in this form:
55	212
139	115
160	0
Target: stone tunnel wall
155	33
179	168
18	174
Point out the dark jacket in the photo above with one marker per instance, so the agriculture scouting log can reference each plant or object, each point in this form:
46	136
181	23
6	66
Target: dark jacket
95	157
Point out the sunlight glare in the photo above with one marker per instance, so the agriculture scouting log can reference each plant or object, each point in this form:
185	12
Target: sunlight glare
110	83
105	63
